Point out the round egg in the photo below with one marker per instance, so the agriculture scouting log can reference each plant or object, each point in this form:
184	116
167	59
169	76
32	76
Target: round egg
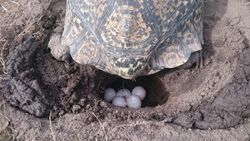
109	94
123	93
119	101
140	92
134	102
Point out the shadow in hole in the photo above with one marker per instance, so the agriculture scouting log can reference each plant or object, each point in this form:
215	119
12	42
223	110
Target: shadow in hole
156	91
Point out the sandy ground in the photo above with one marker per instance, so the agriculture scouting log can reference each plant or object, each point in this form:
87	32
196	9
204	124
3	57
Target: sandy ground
208	103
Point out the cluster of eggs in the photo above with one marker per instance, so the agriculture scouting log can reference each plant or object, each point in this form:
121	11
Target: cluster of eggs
124	97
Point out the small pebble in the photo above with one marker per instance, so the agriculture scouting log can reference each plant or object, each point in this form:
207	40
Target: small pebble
140	92
119	101
103	104
76	108
123	93
61	113
82	102
109	94
134	102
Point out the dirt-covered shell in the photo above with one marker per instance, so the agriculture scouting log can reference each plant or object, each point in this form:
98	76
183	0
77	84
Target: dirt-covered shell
133	37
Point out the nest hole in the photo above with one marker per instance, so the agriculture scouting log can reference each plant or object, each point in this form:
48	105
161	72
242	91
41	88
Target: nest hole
157	93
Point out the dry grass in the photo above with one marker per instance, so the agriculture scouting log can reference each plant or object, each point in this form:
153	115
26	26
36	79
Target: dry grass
2	63
51	127
106	137
8	132
7	7
6	4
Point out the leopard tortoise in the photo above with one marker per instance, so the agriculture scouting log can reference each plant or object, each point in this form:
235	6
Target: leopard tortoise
130	38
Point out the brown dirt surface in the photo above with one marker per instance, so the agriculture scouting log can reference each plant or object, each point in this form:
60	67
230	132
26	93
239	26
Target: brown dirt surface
45	99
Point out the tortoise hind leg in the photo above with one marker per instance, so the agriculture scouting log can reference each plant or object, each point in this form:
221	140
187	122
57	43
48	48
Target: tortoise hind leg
59	51
171	56
195	61
177	52
192	37
193	40
177	49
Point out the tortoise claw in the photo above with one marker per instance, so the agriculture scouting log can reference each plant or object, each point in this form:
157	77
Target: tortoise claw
195	61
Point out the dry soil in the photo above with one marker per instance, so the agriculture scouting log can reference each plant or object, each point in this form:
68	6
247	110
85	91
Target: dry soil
44	99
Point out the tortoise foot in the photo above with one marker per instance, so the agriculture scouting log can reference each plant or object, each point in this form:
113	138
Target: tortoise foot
195	61
59	51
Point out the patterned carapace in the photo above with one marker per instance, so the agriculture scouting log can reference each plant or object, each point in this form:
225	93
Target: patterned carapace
133	37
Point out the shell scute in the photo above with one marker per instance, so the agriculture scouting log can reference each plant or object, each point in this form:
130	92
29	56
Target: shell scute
133	37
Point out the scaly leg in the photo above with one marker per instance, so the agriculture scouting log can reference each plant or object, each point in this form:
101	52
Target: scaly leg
59	51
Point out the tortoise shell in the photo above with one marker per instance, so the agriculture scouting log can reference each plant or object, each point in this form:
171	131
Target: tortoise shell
130	38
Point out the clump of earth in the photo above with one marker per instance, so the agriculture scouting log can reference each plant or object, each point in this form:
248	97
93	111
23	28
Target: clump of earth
65	99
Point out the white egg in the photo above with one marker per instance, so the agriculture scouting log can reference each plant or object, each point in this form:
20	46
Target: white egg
119	101
140	92
134	102
123	93
109	94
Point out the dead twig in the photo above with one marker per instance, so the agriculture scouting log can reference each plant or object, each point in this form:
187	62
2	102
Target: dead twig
5	9
128	138
51	128
10	125
106	137
2	60
14	2
4	117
